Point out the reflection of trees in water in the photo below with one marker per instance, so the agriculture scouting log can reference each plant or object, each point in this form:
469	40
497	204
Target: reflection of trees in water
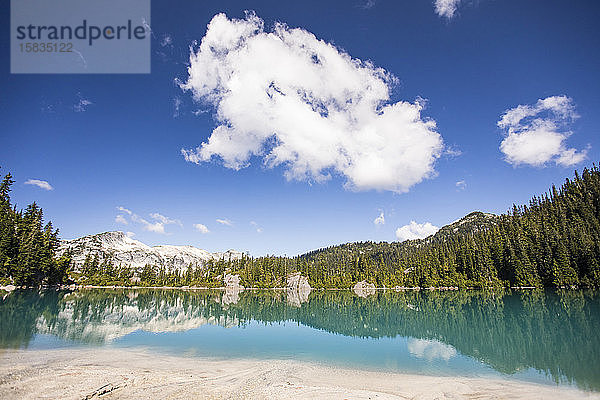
20	311
556	333
553	332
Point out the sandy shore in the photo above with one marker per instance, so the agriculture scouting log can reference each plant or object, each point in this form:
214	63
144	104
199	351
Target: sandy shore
125	374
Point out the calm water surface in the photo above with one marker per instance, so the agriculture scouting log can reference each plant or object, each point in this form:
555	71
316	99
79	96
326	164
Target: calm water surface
547	337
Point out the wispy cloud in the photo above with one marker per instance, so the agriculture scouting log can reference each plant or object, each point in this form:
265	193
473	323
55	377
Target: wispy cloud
536	134
201	228
461	185
224	221
176	106
308	106
166	41
147	27
39	183
82	104
165	220
258	228
368	4
415	231
157	225
125	210
77	103
446	8
380	220
452	152
81	57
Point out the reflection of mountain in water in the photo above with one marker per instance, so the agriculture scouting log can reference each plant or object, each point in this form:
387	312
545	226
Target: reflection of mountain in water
82	323
555	333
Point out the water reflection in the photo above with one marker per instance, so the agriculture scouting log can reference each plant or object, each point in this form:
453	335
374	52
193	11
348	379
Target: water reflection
553	332
430	349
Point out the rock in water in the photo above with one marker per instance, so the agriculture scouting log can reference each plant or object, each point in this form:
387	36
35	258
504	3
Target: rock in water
364	289
298	289
232	291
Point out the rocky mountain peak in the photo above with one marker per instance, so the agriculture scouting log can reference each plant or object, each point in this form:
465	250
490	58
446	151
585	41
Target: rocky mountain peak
120	249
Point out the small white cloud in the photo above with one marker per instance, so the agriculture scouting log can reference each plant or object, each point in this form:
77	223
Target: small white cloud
224	221
125	210
39	183
82	105
380	220
414	231
536	134
461	185
130	234
165	220
120	219
201	228
446	8
259	230
303	104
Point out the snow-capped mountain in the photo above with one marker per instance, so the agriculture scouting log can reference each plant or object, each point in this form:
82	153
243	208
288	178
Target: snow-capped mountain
124	250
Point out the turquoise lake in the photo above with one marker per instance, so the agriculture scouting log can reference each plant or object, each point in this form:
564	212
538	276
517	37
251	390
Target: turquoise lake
541	336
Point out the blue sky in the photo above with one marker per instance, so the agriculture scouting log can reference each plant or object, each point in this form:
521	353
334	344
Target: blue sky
109	141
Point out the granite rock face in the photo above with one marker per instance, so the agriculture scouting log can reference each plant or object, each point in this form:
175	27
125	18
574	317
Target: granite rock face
232	282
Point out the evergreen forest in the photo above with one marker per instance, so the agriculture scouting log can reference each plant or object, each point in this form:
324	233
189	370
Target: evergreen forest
27	246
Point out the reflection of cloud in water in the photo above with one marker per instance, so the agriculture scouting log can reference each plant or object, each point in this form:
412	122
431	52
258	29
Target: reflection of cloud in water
430	349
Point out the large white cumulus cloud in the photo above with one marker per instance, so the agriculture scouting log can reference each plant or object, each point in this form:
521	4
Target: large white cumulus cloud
302	103
536	134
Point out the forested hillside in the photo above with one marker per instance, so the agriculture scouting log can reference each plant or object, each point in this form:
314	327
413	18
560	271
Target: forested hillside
26	245
554	241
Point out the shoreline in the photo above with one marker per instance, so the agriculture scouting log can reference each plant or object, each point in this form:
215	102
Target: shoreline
10	288
126	373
